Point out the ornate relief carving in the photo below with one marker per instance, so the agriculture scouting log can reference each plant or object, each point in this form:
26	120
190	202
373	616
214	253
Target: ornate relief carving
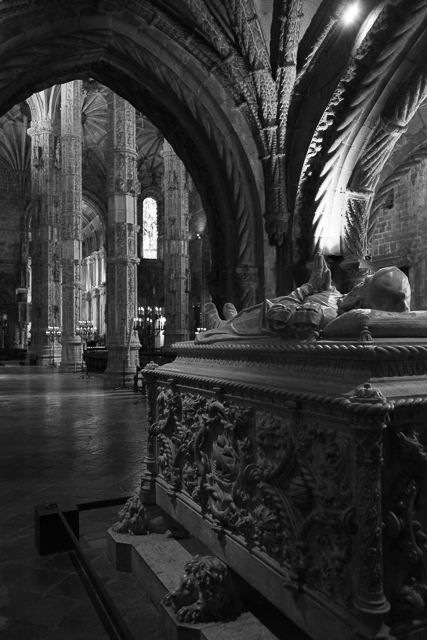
357	214
122	260
406	533
369	460
206	592
285	488
140	519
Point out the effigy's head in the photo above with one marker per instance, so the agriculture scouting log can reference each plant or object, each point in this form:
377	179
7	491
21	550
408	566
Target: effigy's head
386	290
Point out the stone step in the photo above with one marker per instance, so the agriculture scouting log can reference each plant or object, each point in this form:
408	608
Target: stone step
157	562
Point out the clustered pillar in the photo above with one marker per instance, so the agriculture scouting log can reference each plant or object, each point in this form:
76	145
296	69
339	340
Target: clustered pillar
45	224
71	143
123	187
176	247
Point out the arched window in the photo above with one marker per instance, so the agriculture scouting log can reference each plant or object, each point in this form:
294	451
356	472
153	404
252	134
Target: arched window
149	229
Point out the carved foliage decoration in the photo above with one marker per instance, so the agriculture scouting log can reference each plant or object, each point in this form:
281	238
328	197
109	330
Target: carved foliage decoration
369	457
406	526
357	214
284	487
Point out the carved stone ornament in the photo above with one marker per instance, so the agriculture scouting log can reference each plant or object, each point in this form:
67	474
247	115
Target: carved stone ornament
206	592
283	487
367	393
405	527
139	519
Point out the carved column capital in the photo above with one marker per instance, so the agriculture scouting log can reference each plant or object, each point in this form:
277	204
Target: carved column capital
40	126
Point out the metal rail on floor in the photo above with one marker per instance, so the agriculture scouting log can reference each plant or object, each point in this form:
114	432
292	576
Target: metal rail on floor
101	504
107	611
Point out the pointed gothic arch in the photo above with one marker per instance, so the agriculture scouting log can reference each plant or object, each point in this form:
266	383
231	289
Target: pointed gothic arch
178	94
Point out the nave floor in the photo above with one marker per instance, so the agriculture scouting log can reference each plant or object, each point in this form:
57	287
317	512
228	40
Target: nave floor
65	439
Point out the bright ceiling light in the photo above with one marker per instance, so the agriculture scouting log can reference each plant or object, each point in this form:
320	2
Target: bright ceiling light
351	13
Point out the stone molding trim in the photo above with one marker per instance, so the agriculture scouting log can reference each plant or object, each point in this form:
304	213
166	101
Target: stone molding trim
238	389
332	348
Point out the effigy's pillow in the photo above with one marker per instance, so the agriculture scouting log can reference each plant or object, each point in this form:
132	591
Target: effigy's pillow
381	324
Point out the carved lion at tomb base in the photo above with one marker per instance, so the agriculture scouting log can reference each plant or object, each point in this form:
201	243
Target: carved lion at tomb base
206	592
140	519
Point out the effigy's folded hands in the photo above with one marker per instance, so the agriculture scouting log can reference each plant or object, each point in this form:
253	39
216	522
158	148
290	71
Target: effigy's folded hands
320	278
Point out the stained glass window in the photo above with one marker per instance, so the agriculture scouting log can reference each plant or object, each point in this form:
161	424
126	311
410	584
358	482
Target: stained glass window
149	229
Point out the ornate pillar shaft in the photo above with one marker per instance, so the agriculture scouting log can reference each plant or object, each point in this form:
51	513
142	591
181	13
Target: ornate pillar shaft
122	260
247	278
368	422
45	229
176	242
71	143
356	265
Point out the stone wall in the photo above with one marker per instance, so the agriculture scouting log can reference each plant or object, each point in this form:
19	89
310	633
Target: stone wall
401	232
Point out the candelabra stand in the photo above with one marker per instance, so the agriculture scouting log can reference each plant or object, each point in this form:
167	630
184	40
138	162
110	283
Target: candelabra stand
53	333
200	330
85	330
150	325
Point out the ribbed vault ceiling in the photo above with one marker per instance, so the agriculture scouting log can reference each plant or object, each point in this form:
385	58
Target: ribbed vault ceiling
281	93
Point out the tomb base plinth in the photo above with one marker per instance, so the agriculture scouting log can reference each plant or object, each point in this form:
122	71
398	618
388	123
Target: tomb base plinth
157	563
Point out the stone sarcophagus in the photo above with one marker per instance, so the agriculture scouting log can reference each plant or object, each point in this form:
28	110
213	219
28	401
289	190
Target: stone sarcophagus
303	467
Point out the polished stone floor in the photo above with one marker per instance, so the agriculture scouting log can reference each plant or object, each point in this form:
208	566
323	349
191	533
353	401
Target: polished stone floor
65	439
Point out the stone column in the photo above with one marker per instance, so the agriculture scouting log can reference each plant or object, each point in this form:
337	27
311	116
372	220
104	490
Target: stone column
95	309
247	278
45	224
122	341
176	243
71	144
356	266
